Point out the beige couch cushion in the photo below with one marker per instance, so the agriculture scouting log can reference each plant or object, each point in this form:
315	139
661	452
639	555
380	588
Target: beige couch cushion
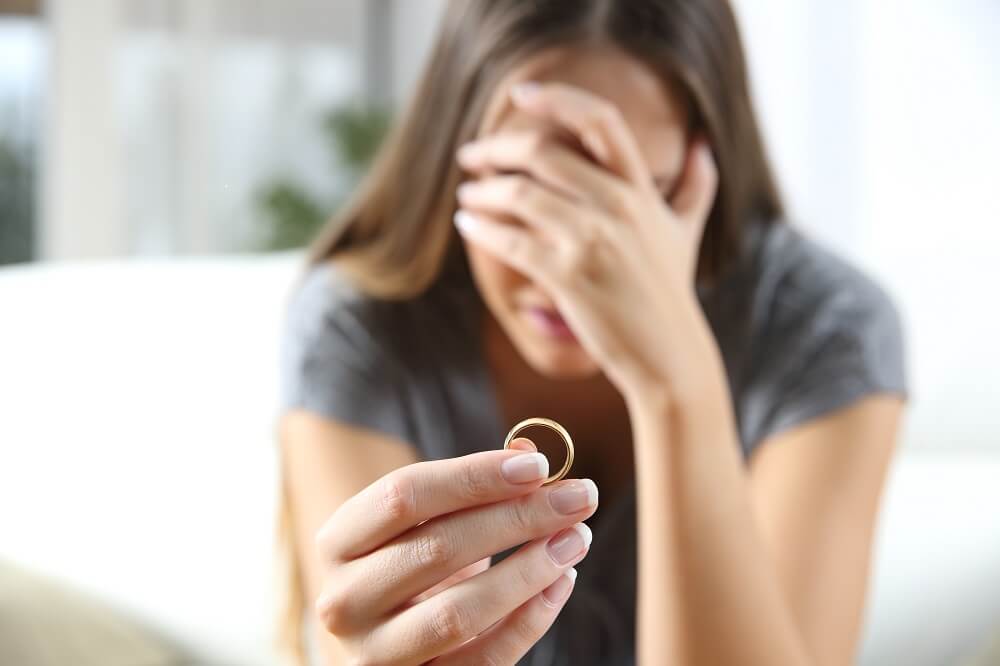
989	654
43	623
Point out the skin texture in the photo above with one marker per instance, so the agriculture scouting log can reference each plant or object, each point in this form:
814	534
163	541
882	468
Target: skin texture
390	590
511	134
774	557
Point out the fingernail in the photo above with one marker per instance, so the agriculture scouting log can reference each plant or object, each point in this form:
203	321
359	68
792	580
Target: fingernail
523	443
465	222
525	467
525	91
565	546
574	496
467	152
557	592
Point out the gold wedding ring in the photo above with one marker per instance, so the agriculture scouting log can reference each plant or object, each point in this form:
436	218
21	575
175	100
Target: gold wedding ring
552	425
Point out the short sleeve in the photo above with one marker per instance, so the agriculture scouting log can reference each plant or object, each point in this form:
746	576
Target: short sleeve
332	361
834	336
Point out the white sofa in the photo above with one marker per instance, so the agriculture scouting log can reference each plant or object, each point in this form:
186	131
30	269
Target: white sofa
137	462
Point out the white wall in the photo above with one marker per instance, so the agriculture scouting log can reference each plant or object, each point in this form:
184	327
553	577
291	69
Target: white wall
82	203
414	27
882	117
931	202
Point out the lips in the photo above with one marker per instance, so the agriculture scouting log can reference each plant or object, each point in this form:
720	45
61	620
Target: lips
550	323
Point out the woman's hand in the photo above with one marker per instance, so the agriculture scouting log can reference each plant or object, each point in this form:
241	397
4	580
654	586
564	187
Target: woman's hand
618	261
408	577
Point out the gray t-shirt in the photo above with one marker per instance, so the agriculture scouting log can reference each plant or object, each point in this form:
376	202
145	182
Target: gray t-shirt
801	331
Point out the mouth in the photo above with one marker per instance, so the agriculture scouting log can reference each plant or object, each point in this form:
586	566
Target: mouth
550	323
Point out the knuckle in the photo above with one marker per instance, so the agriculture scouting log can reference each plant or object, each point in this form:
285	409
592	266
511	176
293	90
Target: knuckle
621	201
333	609
590	237
433	550
395	499
520	187
606	114
520	516
528	575
513	247
476	482
526	628
449	622
573	260
535	144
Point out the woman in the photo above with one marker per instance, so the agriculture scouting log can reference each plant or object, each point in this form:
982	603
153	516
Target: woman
619	263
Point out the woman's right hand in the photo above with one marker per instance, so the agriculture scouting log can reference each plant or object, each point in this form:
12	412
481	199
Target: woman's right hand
406	560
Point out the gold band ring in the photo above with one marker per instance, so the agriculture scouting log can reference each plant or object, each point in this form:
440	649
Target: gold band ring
552	425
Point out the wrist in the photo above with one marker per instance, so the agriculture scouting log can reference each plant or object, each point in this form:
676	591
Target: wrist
663	422
703	396
691	378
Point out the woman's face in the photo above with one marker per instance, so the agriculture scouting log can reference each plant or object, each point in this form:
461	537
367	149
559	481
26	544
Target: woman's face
522	308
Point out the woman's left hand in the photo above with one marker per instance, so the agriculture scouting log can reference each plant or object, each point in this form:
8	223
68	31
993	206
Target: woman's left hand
616	258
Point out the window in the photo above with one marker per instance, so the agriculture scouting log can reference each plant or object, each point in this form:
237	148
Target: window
21	71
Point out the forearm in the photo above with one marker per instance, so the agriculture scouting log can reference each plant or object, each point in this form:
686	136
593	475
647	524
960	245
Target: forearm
709	593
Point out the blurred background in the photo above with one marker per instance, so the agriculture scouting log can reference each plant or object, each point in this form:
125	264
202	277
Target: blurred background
162	162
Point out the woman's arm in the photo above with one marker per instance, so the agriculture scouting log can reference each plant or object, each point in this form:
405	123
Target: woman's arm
763	568
400	567
721	556
324	463
816	491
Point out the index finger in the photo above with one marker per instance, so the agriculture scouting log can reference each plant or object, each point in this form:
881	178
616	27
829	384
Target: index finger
408	496
595	121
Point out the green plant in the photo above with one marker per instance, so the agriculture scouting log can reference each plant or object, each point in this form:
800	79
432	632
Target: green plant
291	213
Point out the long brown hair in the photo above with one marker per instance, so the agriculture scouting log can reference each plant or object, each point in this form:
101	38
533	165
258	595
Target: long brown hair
395	237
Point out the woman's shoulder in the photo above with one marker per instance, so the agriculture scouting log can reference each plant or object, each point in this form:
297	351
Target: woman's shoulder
322	295
389	365
327	300
337	358
820	331
809	283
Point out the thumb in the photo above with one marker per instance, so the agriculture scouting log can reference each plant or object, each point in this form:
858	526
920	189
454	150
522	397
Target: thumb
696	192
523	444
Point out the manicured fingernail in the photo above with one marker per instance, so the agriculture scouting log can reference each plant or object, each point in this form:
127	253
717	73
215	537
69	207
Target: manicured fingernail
557	592
525	91
523	443
468	152
574	496
565	546
525	467
465	222
585	532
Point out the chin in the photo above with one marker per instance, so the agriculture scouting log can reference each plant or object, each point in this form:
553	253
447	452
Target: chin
569	370
556	359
